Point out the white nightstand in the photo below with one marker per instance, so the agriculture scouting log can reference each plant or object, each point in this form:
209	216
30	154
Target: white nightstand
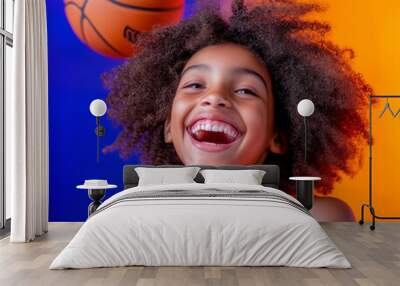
305	190
96	191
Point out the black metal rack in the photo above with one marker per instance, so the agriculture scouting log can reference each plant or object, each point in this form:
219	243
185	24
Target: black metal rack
369	205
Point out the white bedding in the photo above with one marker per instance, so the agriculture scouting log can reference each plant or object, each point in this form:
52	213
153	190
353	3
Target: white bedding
182	231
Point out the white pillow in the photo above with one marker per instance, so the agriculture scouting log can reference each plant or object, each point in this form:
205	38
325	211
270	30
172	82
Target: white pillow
248	177
161	176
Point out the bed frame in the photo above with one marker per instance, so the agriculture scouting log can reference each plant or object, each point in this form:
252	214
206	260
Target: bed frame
270	179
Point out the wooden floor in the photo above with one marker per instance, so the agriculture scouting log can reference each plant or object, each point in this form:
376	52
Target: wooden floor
375	257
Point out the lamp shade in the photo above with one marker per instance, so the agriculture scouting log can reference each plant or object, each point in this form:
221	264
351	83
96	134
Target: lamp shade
305	107
98	107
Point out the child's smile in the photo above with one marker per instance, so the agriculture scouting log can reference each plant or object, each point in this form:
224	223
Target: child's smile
223	110
212	132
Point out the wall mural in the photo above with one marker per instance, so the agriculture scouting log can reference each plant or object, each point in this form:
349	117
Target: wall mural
204	83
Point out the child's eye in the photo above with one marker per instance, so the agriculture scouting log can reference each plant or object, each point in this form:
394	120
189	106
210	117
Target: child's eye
194	85
246	91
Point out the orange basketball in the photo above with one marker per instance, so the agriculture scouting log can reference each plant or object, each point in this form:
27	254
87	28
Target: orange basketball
109	26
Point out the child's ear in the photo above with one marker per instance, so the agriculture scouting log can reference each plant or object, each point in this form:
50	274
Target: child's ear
278	143
167	131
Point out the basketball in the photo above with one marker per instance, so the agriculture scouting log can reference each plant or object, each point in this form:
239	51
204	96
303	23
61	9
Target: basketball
109	26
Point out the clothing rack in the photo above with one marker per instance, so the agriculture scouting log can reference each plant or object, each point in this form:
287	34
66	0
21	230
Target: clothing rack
370	205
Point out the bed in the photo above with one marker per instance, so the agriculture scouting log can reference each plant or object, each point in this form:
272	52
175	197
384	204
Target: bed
201	224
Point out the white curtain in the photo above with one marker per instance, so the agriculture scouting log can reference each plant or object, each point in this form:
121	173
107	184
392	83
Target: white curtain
27	124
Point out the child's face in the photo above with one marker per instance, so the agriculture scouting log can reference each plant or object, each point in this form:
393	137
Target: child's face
223	110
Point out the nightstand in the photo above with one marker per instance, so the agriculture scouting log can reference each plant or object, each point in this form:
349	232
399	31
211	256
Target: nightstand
96	191
305	190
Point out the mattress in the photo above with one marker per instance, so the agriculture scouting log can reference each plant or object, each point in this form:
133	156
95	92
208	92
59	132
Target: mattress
201	225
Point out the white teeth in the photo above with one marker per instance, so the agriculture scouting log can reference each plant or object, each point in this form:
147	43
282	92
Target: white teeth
214	126
229	132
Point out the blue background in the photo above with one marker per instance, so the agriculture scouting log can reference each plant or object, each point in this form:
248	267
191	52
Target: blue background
74	81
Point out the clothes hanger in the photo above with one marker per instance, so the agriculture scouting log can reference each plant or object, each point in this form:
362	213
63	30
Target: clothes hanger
387	107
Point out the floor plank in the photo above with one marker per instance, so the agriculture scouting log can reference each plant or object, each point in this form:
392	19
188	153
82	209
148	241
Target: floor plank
374	255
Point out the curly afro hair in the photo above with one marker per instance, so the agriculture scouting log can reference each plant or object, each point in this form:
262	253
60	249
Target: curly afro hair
302	64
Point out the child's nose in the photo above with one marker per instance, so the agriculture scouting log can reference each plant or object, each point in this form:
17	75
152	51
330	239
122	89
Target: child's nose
216	100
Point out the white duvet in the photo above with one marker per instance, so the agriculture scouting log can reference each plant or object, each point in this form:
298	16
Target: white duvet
185	231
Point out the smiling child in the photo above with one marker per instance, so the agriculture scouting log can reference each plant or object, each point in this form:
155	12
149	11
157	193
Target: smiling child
223	110
212	90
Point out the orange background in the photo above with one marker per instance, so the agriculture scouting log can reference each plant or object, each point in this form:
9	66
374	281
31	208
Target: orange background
372	29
